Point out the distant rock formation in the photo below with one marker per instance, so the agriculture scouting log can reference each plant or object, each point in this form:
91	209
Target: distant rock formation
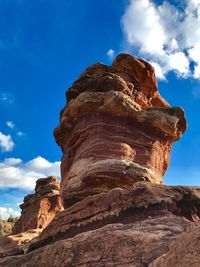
116	134
40	208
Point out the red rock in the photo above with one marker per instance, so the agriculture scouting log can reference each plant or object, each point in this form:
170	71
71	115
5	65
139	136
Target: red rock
116	133
12	245
144	201
115	129
39	209
118	228
184	251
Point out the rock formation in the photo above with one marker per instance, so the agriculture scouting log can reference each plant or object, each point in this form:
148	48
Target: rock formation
115	130
40	208
116	134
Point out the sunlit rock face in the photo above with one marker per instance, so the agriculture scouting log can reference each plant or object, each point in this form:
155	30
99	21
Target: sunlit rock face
116	133
39	209
115	129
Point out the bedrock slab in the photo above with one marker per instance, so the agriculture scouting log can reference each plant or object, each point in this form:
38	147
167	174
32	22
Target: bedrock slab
144	201
119	228
184	251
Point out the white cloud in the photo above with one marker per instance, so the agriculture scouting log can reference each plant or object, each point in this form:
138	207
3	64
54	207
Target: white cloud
6	143
6	212
158	71
14	173
179	62
110	53
165	34
10	124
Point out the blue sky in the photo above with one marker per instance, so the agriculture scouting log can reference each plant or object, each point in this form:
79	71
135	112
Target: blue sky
45	45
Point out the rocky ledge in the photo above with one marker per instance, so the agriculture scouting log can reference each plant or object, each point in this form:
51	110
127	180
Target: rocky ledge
116	134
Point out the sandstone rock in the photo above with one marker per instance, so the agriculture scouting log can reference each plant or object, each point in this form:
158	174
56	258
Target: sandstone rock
115	129
39	209
184	251
17	244
116	133
118	228
145	201
112	245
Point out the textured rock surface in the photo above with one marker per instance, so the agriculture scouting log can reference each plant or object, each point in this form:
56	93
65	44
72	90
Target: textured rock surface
116	133
39	209
17	244
118	228
145	201
184	251
115	129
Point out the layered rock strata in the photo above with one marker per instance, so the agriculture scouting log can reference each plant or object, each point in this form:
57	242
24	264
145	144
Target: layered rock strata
116	134
115	129
40	208
119	228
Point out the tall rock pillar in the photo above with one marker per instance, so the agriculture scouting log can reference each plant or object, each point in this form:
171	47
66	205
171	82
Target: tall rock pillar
115	129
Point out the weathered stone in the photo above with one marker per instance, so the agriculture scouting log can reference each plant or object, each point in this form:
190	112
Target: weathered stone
39	209
114	244
116	133
17	244
143	201
184	251
115	130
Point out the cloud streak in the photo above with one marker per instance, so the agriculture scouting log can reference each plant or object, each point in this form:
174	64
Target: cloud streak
165	35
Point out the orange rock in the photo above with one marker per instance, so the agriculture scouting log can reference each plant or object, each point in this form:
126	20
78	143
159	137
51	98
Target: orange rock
116	133
119	228
115	129
40	208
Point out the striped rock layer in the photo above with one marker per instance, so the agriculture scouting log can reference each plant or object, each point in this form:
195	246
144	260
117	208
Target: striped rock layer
115	130
116	133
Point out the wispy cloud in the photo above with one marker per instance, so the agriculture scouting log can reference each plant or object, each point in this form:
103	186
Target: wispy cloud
20	133
110	54
14	173
165	34
6	98
6	143
10	124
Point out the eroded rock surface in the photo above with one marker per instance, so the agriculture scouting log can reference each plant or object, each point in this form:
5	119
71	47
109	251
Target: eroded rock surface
17	244
117	228
116	134
40	208
115	129
184	251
